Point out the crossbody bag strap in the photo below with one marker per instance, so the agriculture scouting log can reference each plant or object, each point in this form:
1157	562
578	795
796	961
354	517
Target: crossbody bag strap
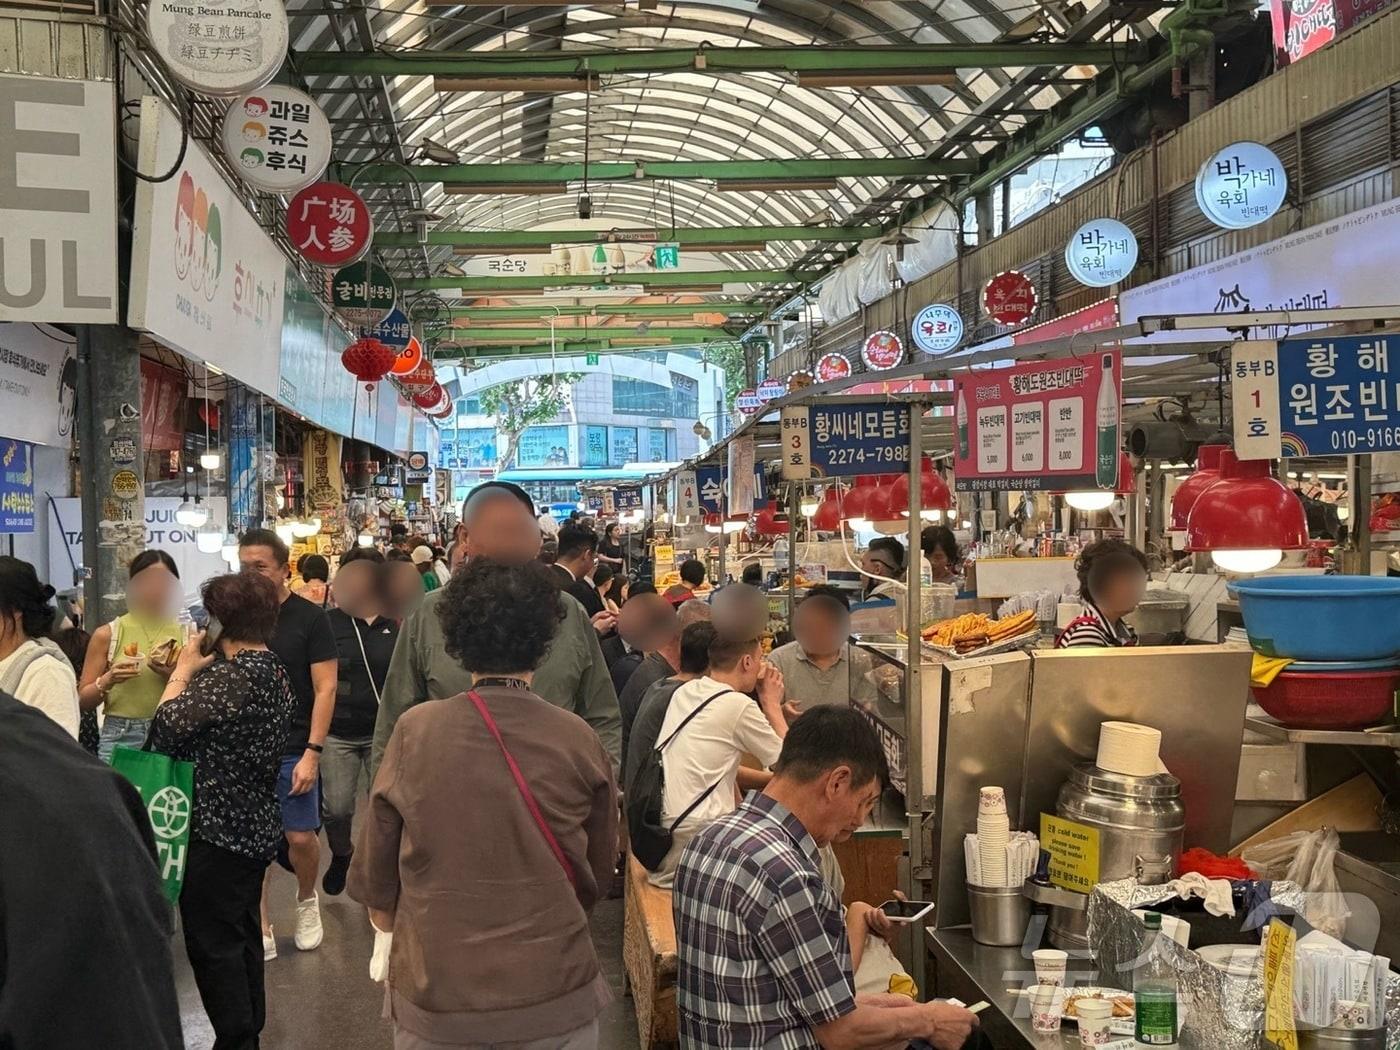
709	790
686	721
525	792
365	657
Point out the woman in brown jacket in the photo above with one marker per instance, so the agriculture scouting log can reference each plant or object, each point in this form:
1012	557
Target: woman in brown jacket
492	825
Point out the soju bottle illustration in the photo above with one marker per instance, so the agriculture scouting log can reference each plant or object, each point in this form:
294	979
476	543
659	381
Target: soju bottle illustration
1106	426
961	411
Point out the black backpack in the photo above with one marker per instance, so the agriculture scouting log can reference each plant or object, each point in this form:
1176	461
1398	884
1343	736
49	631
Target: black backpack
650	839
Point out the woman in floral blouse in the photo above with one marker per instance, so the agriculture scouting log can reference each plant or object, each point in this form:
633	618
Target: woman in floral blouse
228	714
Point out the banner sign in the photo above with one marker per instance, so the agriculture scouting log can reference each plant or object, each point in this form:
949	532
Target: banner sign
324	483
742	485
687	494
1315	397
861	438
58	200
1300	27
1046	425
38	384
16	487
244	484
710	487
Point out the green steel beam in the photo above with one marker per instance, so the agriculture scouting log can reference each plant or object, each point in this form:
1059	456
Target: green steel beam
456	353
873	59
776	171
472	285
648	310
694	237
540	333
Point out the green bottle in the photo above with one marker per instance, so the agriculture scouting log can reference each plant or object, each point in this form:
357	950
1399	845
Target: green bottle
1154	990
1106	427
960	421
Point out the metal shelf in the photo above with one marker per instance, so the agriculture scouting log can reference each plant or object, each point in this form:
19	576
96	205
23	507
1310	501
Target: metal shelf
1380	736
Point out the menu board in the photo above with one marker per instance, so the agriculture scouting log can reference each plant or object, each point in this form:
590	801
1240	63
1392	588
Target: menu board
1047	425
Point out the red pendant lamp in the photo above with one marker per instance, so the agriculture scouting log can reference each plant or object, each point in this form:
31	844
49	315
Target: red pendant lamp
1248	518
933	495
1207	473
766	523
828	515
853	505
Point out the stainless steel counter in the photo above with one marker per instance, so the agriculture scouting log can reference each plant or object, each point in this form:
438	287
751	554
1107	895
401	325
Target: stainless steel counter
969	971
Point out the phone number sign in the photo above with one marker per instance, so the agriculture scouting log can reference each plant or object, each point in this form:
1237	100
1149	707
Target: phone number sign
1315	397
821	441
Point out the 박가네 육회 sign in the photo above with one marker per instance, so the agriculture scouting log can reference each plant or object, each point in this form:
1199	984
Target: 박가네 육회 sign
1315	397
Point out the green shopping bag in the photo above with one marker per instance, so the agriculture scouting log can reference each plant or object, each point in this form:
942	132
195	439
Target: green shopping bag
166	787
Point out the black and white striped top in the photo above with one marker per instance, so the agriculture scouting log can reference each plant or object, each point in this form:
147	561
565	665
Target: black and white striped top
1091	630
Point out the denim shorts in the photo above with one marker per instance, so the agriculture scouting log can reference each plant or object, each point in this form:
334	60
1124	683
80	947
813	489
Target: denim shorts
126	732
299	812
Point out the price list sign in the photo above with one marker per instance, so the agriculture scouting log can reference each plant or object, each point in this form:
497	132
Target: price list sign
1315	397
1047	425
822	441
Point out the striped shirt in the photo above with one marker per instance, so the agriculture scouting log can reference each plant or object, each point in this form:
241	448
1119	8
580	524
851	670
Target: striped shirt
1091	630
762	949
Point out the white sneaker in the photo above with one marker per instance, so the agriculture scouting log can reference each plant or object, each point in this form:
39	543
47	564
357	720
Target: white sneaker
309	931
269	946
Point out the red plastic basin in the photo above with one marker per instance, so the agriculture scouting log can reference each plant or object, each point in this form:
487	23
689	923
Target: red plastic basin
1345	700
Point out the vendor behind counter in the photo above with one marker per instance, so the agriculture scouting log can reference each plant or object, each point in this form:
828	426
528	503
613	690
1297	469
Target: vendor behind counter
1112	582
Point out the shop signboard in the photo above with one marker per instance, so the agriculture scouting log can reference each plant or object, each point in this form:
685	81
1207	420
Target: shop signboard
1103	314
418	468
58	200
833	366
1241	186
205	279
38	384
219	49
822	441
687	494
277	138
799	380
882	351
1315	397
710	486
747	402
1009	298
937	328
629	498
311	379
329	224
364	293
771	388
325	486
1300	27
741	473
1041	425
16	487
1102	252
395	331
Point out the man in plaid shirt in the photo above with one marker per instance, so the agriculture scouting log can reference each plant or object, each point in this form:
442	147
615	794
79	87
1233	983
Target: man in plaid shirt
764	963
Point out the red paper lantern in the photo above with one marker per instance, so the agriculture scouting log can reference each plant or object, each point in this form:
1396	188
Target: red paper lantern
368	360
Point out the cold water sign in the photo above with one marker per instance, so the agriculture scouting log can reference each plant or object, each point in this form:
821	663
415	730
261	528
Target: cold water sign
1074	853
1315	397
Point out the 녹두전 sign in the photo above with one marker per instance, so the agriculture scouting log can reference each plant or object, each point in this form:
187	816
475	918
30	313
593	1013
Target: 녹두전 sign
937	328
860	438
58	200
219	47
1315	397
1241	186
277	138
1043	425
1101	252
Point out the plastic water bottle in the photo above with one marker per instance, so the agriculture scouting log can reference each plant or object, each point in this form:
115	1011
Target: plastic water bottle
184	624
1154	990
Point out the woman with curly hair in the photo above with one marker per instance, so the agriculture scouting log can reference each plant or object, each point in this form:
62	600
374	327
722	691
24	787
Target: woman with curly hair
491	827
1112	581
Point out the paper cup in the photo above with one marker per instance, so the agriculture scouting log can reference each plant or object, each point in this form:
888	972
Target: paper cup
1095	1021
1350	1014
1045	1008
991	800
1050	964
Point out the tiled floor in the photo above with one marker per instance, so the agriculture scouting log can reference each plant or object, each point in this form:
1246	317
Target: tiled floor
324	1000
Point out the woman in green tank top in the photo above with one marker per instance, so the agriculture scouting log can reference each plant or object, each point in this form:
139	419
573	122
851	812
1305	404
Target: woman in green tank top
130	658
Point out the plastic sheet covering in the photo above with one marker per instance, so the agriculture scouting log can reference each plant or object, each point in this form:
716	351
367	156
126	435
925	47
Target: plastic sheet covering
935	234
868	276
1222	1011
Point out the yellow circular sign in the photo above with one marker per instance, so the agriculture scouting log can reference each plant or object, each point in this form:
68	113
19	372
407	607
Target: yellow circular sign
126	485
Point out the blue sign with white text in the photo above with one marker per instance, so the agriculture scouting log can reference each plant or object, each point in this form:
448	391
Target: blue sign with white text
864	438
628	499
1338	396
709	485
16	487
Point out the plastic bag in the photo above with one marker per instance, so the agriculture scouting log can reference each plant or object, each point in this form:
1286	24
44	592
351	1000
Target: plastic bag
1308	859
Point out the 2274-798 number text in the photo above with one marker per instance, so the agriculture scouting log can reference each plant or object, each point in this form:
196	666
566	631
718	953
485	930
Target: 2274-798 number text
850	456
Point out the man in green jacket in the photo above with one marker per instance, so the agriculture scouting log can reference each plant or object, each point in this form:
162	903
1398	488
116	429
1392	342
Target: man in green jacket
500	524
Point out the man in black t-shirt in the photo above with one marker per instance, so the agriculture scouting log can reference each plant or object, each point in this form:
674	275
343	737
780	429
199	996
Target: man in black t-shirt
306	645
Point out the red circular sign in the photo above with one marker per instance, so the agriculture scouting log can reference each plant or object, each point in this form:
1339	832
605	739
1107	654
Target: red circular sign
409	358
329	224
420	377
747	401
882	351
1009	298
833	366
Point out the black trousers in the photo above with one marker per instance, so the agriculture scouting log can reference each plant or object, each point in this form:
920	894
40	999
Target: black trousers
223	937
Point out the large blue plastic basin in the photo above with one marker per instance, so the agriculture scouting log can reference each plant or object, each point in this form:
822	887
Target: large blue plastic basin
1322	617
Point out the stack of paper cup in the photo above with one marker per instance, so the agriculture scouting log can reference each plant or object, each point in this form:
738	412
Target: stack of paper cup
1130	749
993	834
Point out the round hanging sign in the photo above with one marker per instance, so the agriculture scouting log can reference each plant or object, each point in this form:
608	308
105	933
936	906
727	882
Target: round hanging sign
937	328
1009	298
363	293
771	388
799	379
1241	186
1101	252
393	330
219	49
420	377
409	358
277	138
329	224
833	366
747	402
882	351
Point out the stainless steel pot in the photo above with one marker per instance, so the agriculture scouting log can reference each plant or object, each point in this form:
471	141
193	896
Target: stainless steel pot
1140	821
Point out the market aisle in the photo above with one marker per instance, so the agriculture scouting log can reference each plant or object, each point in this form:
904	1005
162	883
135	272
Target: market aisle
324	1000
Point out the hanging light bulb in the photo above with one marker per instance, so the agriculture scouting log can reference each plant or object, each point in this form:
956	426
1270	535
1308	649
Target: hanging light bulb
1343	512
932	514
365	539
808	505
285	531
191	514
1090	499
306	529
210	460
209	538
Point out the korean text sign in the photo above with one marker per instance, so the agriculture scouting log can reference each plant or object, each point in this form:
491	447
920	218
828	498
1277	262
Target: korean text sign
862	438
1315	397
628	499
710	484
1047	425
16	487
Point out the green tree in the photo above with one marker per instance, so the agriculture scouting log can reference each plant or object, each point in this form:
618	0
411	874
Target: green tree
525	403
730	356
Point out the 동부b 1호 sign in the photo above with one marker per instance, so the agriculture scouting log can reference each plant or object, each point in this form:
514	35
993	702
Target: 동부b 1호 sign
822	441
1315	397
1047	425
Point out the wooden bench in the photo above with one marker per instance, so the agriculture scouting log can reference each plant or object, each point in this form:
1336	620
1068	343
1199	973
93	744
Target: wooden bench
649	957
